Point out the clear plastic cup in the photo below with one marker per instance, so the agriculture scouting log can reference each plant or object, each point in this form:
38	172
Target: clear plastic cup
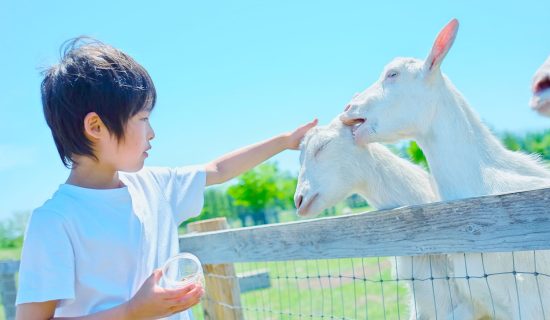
182	270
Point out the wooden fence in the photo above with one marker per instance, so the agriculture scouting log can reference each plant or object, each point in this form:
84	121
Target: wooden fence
503	223
509	222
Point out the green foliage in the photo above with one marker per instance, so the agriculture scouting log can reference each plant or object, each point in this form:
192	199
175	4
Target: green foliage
535	142
12	230
356	201
217	203
257	188
258	193
260	189
416	155
538	142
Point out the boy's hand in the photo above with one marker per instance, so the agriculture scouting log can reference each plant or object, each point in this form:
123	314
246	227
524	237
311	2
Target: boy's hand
295	137
153	301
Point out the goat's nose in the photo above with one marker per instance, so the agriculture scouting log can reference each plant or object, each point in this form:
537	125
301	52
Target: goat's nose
298	201
347	107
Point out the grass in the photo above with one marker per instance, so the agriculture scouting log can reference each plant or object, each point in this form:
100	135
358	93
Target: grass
10	253
316	289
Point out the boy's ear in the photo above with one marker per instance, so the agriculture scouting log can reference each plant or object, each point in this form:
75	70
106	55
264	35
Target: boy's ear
93	126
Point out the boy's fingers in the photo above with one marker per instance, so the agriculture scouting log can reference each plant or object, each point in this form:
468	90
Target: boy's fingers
190	299
178	292
157	274
184	306
311	124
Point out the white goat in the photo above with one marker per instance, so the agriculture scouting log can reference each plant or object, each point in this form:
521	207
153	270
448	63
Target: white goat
412	99
333	167
540	101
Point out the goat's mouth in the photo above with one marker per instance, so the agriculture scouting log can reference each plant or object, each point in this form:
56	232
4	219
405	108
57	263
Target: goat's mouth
355	124
540	101
303	210
541	85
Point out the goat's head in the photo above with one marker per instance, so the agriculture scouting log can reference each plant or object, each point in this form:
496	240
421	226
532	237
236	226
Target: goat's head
328	168
540	101
401	102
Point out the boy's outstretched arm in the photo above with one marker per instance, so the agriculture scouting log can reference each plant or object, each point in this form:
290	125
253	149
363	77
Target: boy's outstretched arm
234	163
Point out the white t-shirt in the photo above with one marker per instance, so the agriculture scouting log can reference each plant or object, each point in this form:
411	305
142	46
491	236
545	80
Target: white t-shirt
92	249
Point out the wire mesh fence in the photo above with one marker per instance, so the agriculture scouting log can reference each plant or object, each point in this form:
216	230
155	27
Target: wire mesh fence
390	288
478	258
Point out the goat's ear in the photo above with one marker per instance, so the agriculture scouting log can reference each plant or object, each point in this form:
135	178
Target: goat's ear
442	44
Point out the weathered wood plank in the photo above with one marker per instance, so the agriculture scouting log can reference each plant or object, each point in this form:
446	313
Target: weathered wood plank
9	266
502	223
8	291
254	280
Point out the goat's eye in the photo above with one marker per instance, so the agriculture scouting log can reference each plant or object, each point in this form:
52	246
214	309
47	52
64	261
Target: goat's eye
392	74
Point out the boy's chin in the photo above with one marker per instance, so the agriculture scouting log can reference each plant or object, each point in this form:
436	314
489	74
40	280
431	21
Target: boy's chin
132	168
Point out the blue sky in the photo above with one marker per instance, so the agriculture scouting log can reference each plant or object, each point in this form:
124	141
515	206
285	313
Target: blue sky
230	73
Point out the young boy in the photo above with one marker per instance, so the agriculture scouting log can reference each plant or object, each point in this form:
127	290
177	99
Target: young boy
93	251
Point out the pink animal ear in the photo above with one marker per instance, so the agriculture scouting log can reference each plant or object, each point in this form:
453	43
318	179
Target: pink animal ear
442	44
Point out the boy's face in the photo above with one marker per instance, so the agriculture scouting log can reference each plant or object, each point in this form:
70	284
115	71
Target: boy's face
129	153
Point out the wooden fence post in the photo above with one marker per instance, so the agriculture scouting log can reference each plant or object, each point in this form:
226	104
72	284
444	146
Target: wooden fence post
222	297
7	287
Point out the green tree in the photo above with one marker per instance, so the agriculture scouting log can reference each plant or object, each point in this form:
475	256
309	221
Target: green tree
217	203
260	188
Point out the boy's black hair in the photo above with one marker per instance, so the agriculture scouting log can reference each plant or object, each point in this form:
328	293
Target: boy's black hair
92	77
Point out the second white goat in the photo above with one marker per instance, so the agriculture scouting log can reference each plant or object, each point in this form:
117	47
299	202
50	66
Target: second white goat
333	167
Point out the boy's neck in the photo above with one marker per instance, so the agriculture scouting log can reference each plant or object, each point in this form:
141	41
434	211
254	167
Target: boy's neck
91	174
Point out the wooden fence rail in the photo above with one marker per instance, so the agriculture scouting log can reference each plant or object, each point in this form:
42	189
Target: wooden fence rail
502	223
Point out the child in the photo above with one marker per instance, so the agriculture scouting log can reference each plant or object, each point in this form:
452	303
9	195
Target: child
93	251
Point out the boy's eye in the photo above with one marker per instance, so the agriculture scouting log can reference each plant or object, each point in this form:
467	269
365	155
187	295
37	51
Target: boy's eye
145	119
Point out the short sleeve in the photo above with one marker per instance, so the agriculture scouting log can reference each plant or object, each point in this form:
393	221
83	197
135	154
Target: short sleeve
183	188
47	268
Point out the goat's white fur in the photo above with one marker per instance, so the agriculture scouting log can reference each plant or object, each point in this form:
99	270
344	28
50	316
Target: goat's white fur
333	167
414	100
540	100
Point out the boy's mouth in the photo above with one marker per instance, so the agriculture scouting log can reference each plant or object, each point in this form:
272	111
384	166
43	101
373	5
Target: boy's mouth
146	153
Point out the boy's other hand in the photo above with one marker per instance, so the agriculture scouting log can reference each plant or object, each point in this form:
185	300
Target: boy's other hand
153	301
295	137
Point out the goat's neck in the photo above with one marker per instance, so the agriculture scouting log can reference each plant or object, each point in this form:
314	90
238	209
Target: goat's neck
388	181
458	146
